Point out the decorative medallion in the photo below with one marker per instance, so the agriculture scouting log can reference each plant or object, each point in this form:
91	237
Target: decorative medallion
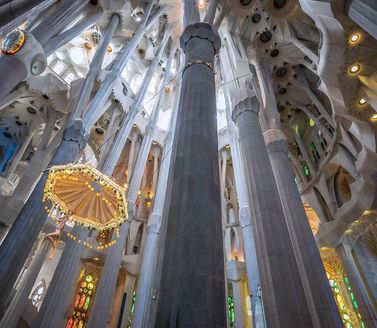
13	42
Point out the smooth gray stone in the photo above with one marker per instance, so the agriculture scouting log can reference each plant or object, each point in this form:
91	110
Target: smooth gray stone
192	287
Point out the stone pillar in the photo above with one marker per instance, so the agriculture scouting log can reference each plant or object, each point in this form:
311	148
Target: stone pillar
321	301
23	16
62	286
245	223
95	67
15	309
285	304
106	287
236	273
21	237
148	264
363	13
361	295
55	22
10	10
131	158
192	282
129	290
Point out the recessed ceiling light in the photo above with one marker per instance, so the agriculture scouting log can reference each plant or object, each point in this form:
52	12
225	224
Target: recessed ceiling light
362	101
355	68
373	118
354	38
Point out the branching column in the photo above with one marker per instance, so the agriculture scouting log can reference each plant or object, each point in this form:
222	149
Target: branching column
60	291
144	290
21	237
15	309
320	298
106	288
192	283
284	298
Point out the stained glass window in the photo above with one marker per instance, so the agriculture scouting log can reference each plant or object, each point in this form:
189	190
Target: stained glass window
231	307
132	309
82	302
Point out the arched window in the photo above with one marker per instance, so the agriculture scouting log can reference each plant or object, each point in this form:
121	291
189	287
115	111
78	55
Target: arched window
82	303
38	292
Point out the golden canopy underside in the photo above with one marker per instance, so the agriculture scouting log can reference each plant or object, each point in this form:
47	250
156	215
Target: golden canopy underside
94	199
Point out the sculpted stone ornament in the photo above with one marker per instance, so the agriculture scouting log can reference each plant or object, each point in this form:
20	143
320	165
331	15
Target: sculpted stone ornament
13	42
23	46
202	31
76	132
38	64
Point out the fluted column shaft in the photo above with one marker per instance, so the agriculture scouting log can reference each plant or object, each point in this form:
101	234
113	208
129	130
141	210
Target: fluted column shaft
363	13
58	20
14	13
144	290
238	298
21	237
15	309
318	293
284	301
247	228
106	287
128	290
95	67
357	285
191	291
60	291
95	109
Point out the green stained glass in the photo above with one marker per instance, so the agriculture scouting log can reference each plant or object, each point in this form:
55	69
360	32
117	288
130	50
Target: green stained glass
87	302
132	309
231	311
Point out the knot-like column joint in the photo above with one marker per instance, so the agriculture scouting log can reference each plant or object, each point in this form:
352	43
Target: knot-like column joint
23	46
275	140
244	101
201	31
77	133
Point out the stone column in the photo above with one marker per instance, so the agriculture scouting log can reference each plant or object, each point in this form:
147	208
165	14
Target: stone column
361	295
192	282
144	287
15	309
60	291
285	304
21	237
247	228
236	273
321	301
106	287
363	13
9	23
129	290
131	158
95	67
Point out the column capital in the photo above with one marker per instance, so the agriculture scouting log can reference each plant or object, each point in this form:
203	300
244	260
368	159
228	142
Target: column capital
275	140
76	132
202	31
244	100
23	46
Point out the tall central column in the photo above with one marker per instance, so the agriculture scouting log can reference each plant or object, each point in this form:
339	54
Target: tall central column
191	292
